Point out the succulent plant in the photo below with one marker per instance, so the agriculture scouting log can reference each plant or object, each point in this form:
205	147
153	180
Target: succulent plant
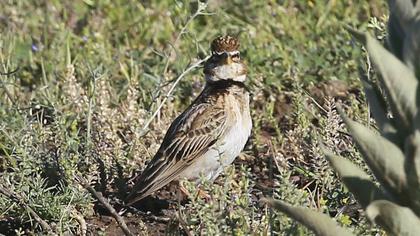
393	151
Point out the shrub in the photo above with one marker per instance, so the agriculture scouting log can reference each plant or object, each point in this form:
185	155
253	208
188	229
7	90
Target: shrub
392	153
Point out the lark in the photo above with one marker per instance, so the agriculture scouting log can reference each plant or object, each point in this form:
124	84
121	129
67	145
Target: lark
210	133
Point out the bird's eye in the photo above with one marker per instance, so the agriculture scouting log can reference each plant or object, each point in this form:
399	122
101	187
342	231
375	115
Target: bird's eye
235	56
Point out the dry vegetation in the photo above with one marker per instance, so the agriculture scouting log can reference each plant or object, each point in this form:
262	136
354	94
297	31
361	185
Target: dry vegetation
81	80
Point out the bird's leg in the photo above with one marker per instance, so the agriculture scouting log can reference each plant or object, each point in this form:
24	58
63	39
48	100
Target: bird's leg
182	192
203	194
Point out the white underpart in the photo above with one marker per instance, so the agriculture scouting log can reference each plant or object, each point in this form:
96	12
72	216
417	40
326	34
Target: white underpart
225	151
232	71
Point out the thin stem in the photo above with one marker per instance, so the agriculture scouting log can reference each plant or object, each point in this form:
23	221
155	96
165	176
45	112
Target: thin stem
98	195
185	72
200	9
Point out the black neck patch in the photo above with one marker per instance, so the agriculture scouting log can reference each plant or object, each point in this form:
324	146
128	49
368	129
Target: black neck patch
226	83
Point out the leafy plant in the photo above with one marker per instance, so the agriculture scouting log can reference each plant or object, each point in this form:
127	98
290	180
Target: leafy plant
392	154
79	81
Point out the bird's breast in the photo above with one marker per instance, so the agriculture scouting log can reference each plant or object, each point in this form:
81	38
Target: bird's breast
237	133
230	143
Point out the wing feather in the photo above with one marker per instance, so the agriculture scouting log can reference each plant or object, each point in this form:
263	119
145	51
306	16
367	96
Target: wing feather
188	137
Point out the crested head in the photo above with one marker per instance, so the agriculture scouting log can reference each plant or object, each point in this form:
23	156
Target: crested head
225	44
225	62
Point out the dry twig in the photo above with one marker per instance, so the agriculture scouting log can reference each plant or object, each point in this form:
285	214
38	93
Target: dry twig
146	125
83	226
200	11
98	195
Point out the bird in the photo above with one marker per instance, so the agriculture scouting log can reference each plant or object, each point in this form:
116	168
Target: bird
210	133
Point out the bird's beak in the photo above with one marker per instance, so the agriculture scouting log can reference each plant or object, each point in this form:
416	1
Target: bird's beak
228	60
224	59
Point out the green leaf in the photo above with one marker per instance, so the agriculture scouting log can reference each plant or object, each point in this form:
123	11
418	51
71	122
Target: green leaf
396	37
396	220
378	107
399	81
403	10
319	223
412	167
356	180
411	48
383	157
377	104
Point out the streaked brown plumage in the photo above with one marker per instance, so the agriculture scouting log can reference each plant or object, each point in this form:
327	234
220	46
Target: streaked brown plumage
210	133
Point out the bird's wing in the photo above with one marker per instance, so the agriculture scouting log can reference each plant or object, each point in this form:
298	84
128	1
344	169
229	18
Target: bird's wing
188	137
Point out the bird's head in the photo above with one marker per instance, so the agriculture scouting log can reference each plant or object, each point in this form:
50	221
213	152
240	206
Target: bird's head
225	62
